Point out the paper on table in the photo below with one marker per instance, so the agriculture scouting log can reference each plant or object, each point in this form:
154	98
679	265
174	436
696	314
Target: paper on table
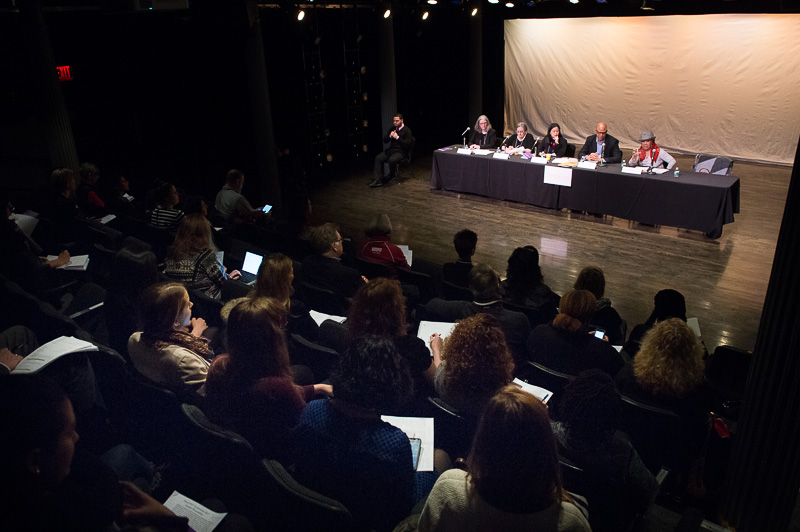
632	169
537	391
483	152
407	253
417	427
591	165
659	171
556	175
319	317
538	160
52	350
464	151
427	328
201	519
500	156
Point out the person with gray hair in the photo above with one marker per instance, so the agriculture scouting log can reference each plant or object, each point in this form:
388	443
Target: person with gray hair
483	136
650	153
523	139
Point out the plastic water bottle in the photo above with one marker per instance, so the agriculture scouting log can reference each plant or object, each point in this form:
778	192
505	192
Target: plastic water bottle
677	172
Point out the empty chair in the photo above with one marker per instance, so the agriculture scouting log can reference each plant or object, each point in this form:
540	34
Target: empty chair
656	434
319	358
712	164
322	300
423	281
221	464
372	270
406	161
454	431
549	379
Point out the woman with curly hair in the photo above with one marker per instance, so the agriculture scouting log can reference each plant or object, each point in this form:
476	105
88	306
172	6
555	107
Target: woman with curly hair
379	308
669	371
476	362
253	381
192	258
512	479
567	345
274	280
170	349
347	452
524	284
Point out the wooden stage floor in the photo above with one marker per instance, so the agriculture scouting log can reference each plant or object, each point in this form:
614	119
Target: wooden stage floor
724	280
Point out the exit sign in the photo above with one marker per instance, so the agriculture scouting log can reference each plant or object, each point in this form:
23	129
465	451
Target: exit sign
64	73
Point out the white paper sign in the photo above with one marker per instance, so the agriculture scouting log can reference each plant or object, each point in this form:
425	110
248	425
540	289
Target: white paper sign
483	152
632	169
464	151
501	156
556	175
590	165
538	160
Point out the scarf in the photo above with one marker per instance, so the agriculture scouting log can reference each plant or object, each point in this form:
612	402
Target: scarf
653	152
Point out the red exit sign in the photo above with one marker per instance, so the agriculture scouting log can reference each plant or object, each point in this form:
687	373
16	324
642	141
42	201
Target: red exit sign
64	73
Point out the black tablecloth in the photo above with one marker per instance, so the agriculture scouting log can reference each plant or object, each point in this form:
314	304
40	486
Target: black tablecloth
701	202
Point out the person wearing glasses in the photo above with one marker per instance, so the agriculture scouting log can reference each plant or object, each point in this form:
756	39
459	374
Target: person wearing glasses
650	153
601	147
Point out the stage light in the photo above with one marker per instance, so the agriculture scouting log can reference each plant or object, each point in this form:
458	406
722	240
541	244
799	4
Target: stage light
301	15
494	1
509	4
573	1
387	13
433	2
474	11
425	16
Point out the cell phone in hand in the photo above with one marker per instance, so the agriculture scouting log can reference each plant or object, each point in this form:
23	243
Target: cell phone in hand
266	208
599	333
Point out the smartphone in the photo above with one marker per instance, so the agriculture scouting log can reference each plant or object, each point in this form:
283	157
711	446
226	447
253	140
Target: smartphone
599	333
416	448
266	208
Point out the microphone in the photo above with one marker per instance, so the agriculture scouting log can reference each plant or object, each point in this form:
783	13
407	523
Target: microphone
465	132
602	151
505	140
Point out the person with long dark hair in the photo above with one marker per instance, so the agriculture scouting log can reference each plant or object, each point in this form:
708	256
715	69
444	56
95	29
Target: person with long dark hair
512	479
667	304
524	283
591	278
553	143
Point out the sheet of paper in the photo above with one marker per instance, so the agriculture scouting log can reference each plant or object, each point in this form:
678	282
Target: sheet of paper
537	391
483	152
500	156
660	171
107	218
76	262
632	169
51	351
417	427
556	175
427	328
407	253
26	223
572	161
591	165
694	324
464	151
201	519
319	317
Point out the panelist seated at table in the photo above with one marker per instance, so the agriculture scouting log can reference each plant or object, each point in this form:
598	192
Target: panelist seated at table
553	142
522	140
650	154
601	147
483	136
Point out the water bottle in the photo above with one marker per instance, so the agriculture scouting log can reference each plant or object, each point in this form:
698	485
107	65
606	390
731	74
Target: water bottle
677	172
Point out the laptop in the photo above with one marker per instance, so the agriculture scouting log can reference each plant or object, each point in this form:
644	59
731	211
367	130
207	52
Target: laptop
252	261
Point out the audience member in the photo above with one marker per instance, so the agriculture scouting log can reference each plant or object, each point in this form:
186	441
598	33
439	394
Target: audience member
60	208
605	317
465	242
117	198
195	205
166	214
512	480
192	258
87	193
324	269
667	304
485	286
476	363
253	381
524	283
378	246
170	349
274	280
231	204
567	345
585	436
345	438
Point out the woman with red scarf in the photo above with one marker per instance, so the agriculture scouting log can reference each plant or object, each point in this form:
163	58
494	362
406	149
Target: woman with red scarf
650	154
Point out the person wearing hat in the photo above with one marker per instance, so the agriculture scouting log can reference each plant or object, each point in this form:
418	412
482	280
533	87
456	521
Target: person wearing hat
650	154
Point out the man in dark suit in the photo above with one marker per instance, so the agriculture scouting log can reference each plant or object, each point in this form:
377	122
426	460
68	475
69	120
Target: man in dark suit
325	268
601	147
400	141
485	286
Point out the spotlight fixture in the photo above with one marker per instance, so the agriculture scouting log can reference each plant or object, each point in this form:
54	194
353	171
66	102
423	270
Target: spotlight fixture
573	1
494	1
474	11
301	15
509	4
425	16
387	13
433	2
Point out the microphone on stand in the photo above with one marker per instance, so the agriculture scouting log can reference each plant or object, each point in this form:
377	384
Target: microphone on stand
505	140
602	151
464	134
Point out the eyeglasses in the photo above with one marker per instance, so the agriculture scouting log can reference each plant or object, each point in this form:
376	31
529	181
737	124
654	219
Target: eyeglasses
600	132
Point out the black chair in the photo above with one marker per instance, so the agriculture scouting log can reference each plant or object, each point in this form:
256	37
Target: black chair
206	307
657	434
535	316
318	358
322	299
423	281
407	160
234	289
454	431
221	464
570	150
371	270
712	164
549	379
454	292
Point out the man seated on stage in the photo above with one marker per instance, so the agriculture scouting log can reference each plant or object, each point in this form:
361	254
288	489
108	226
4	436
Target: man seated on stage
400	142
650	154
457	272
601	147
231	204
522	139
325	268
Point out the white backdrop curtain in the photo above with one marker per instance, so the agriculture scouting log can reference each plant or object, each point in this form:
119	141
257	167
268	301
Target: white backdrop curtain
719	84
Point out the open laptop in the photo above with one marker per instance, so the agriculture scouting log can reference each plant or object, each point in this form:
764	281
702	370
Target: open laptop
252	261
